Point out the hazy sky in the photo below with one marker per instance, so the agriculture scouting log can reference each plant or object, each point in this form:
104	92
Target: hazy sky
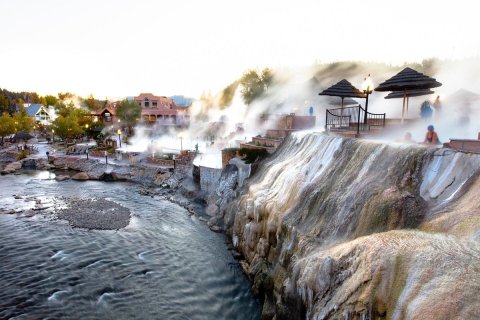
123	47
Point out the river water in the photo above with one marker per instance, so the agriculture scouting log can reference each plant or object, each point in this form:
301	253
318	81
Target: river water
163	265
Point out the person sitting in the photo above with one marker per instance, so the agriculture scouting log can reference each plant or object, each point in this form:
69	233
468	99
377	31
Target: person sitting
407	138
431	137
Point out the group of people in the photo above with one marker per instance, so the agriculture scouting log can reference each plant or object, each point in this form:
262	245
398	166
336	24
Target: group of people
431	137
426	110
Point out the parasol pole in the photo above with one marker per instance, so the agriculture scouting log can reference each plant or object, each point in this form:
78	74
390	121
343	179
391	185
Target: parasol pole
408	100
403	107
341	108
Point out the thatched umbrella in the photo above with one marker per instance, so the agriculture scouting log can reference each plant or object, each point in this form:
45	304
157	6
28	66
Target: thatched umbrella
343	89
405	80
410	93
333	101
23	136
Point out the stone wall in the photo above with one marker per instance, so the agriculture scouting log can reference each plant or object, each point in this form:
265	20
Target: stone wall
209	178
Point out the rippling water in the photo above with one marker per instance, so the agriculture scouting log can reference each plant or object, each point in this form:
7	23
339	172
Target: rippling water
164	265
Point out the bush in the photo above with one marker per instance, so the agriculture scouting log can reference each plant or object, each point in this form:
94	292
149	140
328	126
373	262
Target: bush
22	155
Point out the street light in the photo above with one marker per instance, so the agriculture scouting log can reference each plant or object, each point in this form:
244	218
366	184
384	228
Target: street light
119	132
367	88
86	128
53	136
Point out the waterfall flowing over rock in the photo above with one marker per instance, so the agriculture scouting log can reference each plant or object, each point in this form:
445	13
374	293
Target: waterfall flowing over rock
339	228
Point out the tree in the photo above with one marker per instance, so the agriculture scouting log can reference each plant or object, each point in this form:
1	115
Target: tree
22	121
226	97
255	84
91	103
50	100
4	104
67	127
129	113
7	125
62	96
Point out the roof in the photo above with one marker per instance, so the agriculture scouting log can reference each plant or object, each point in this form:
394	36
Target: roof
343	88
408	79
409	93
106	109
33	109
337	101
151	97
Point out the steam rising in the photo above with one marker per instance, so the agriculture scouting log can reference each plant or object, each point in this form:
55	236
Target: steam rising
213	127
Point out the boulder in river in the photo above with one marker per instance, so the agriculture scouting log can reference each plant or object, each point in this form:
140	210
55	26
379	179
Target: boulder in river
12	167
62	177
81	176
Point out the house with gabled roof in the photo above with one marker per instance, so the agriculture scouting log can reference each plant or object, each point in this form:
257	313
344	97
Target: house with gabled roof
39	113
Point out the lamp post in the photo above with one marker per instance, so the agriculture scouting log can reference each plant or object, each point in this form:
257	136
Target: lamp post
367	88
53	136
119	132
86	128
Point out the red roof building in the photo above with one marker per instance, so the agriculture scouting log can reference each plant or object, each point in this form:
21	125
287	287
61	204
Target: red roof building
162	110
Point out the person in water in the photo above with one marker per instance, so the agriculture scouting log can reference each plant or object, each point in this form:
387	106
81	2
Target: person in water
431	137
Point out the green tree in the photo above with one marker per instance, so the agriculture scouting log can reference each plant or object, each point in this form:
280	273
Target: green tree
7	125
67	127
91	103
4	104
129	114
255	84
22	121
50	100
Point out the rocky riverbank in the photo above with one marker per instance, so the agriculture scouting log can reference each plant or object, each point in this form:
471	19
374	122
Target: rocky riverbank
335	228
176	185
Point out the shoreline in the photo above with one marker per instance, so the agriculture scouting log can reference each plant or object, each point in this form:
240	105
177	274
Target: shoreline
173	185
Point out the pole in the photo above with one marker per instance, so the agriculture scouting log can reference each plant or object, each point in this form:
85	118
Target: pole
120	140
358	120
366	107
403	107
408	100
106	157
87	154
341	110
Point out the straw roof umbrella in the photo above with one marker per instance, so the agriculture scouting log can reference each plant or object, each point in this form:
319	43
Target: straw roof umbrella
23	136
410	93
333	101
405	80
343	89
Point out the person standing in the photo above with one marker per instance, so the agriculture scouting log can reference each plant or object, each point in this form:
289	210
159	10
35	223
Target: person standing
437	105
426	110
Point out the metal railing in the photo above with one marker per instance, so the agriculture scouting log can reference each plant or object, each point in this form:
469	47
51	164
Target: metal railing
353	118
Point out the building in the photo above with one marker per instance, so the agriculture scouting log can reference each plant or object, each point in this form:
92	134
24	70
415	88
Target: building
39	113
106	115
163	111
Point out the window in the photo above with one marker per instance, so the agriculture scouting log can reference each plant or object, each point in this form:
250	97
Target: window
154	104
146	103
